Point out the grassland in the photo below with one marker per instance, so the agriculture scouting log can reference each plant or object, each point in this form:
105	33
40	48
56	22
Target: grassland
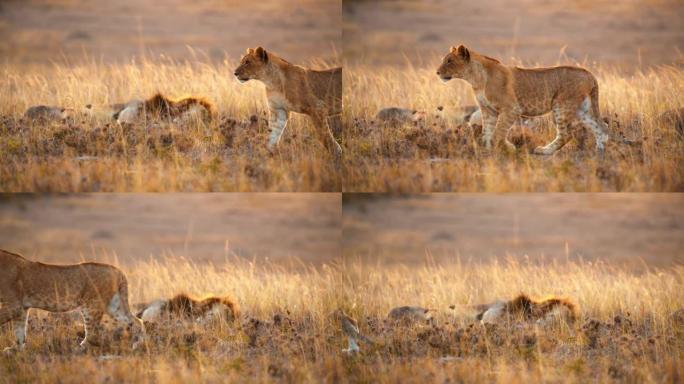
441	154
293	341
627	330
93	153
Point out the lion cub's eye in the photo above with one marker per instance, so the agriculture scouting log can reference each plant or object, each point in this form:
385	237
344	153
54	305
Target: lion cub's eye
449	61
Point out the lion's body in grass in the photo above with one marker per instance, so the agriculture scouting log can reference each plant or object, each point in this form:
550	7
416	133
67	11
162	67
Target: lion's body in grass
92	288
188	307
163	107
506	93
523	307
292	88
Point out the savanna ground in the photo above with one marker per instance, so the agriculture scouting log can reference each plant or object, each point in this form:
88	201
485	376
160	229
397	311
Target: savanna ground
630	328
272	253
617	256
74	53
292	341
392	50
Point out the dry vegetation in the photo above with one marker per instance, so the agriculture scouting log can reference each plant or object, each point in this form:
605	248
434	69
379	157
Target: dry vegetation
631	326
626	332
96	154
292	342
442	155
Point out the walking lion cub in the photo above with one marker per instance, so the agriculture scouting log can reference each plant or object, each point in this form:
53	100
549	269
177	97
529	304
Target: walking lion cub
291	88
93	288
506	93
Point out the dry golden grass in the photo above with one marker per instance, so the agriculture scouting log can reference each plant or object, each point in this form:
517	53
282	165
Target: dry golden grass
442	155
633	335
626	329
94	154
294	341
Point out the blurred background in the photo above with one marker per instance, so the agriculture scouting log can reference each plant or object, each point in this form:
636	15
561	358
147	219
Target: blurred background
42	31
278	227
625	33
631	229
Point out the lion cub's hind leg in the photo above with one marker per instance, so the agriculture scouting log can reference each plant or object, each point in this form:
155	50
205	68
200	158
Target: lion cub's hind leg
18	317
593	124
92	318
119	310
562	116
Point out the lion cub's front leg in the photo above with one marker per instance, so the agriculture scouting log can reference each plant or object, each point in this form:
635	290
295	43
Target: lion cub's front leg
489	119
495	129
19	317
277	122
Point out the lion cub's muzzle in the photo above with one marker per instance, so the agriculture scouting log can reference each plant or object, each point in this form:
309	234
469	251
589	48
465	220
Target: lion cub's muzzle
444	78
240	78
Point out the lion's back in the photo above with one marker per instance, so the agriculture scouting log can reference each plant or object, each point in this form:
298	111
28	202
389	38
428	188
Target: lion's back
540	87
327	85
10	264
74	285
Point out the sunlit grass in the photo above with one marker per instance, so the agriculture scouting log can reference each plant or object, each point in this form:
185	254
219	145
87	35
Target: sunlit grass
302	345
299	341
93	153
639	336
440	156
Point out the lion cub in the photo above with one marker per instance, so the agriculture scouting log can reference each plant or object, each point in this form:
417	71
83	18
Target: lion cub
291	88
505	93
93	288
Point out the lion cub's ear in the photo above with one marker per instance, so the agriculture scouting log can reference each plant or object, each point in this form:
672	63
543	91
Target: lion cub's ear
262	54
463	52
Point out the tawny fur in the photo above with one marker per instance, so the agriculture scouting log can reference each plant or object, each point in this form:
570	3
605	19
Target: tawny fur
93	288
186	306
163	107
292	88
526	308
505	93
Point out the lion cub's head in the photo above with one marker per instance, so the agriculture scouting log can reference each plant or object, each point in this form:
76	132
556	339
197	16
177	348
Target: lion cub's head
455	64
252	65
